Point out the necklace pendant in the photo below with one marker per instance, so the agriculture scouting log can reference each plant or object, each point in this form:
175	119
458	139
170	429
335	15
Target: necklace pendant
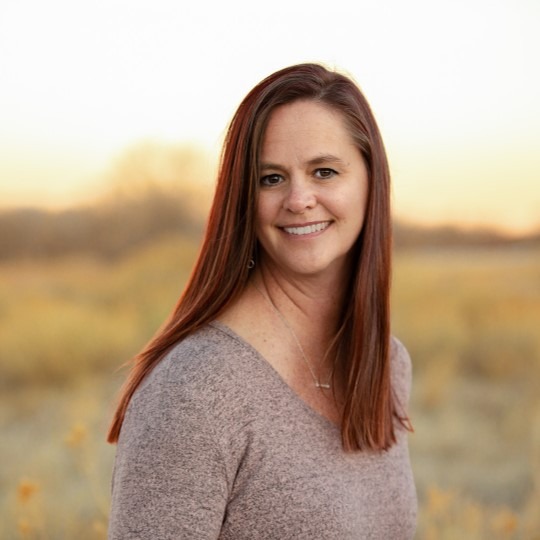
318	384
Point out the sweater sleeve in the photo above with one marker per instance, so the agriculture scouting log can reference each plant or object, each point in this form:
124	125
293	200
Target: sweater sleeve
401	375
169	477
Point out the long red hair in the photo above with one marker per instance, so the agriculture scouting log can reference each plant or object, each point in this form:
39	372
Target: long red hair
362	347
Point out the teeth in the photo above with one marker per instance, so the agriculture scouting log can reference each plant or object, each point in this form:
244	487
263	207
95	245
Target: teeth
308	229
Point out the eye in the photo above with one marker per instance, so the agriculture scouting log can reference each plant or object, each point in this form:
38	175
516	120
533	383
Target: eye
271	180
325	174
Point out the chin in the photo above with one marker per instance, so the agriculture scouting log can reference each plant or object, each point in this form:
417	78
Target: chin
314	269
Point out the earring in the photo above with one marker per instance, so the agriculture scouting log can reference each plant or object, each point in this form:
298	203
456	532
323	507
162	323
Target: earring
251	264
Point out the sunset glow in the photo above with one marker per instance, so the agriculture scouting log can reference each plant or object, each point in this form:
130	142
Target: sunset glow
452	84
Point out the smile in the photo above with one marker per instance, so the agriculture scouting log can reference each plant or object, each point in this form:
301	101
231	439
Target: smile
307	229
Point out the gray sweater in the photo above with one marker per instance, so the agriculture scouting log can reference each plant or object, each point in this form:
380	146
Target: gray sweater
216	445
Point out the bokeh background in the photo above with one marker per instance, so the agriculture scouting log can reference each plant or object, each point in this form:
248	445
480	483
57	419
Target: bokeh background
111	118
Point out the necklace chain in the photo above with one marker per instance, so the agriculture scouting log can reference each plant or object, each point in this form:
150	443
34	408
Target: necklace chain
316	379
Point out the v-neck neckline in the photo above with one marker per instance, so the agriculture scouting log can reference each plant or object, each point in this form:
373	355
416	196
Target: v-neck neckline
268	368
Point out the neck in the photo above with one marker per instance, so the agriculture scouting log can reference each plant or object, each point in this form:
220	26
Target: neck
312	306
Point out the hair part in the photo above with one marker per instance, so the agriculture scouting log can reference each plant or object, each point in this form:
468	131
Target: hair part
220	274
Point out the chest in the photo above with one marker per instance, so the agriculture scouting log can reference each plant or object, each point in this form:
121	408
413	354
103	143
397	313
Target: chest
301	369
294	481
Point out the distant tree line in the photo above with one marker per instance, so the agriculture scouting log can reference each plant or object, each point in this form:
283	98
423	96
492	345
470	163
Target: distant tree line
157	189
108	230
410	236
152	189
120	225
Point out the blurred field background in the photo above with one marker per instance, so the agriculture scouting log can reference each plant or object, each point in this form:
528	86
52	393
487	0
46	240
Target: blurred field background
82	289
96	241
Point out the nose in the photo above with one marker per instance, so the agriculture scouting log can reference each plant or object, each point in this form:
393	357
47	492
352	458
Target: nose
300	196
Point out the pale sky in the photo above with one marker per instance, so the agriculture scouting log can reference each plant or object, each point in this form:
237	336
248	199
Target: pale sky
454	84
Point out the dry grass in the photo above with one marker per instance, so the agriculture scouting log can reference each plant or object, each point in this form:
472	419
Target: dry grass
65	318
57	485
469	319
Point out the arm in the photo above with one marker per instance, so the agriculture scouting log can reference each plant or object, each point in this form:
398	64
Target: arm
401	375
169	480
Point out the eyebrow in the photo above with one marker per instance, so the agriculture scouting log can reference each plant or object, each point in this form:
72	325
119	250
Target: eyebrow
318	160
325	158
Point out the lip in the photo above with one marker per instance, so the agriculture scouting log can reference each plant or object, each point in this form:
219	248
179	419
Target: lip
301	230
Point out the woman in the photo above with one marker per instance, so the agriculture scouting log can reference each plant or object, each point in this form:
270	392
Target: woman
272	404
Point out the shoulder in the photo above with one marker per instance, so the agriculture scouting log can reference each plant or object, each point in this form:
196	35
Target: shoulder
201	375
401	370
173	470
209	355
400	358
194	401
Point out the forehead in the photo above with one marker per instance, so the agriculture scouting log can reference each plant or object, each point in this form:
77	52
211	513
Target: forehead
305	129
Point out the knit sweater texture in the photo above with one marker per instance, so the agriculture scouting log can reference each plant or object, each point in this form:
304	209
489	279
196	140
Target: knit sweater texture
215	445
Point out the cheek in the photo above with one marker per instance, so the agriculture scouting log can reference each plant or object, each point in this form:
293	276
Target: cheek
263	217
353	203
267	208
362	196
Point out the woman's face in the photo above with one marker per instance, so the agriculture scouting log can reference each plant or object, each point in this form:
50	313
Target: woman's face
313	190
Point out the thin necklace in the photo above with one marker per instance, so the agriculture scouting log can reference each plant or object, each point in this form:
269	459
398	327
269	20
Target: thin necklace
316	380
